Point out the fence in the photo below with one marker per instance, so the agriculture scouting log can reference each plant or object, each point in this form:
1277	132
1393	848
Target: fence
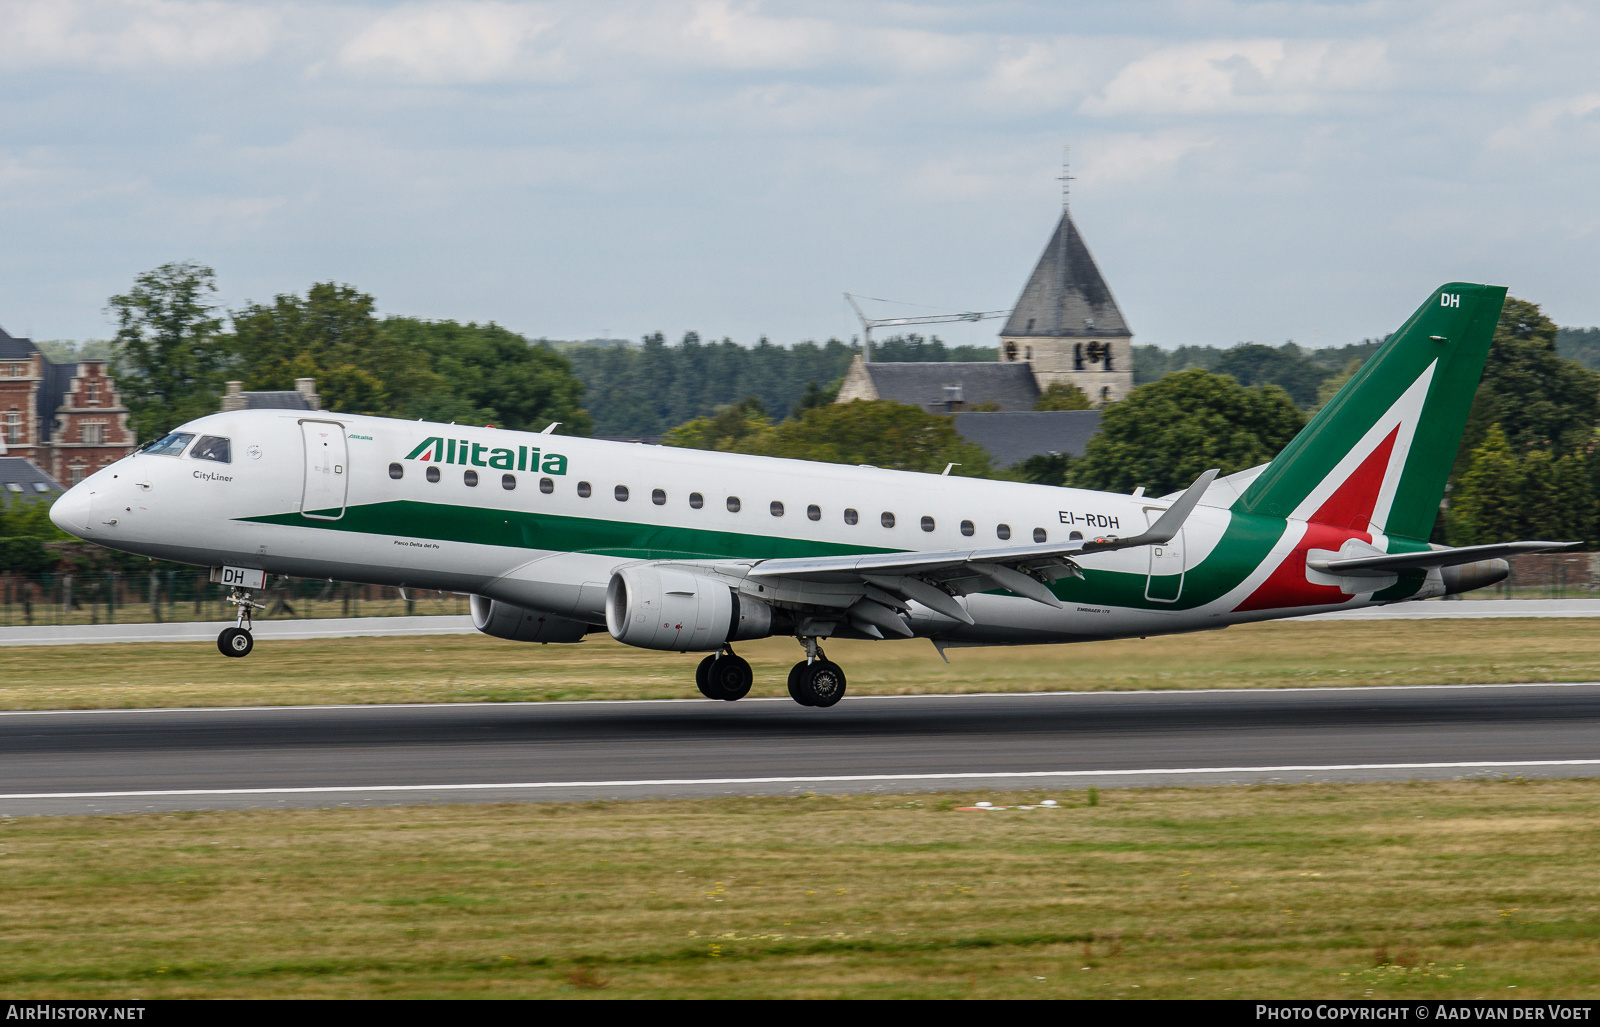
175	595
1547	576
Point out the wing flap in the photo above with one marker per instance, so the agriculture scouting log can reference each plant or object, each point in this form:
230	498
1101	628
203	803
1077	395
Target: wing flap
1021	569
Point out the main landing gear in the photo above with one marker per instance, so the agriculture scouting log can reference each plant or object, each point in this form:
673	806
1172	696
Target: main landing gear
724	676
237	640
814	681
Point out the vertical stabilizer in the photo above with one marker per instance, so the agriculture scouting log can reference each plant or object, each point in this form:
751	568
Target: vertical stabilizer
1377	456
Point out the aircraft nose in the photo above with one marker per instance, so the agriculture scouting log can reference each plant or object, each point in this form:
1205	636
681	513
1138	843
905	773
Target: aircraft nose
70	513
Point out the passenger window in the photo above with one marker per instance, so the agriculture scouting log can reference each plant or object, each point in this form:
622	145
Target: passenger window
967	528
814	512
927	524
1039	535
584	490
696	500
1076	536
547	485
658	497
170	445
1002	531
211	447
471	478
887	519
396	472
850	516
776	508
733	504
508	481
433	474
621	492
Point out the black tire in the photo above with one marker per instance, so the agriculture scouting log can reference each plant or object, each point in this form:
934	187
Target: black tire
729	678
235	642
702	676
823	683
797	690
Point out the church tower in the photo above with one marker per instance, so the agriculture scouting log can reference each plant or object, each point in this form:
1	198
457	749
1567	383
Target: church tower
1067	325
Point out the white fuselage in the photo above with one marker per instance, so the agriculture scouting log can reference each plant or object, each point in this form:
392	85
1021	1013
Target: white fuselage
283	505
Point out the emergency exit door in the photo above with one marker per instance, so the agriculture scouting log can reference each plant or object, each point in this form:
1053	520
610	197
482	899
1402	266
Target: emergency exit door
326	470
1165	581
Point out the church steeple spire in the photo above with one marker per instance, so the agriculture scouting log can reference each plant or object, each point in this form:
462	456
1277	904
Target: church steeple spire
1066	324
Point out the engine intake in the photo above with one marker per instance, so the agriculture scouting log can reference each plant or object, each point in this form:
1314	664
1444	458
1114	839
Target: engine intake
676	609
520	624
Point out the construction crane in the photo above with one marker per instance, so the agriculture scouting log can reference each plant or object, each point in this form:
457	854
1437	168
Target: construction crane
868	323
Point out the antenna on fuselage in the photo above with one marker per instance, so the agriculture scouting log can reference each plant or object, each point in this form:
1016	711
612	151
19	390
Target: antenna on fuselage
551	427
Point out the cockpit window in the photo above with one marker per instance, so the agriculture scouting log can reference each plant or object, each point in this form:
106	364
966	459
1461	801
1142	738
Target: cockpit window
212	447
170	445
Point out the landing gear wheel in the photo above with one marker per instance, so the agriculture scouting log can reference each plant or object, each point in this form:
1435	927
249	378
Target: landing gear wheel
235	642
727	677
702	676
796	691
818	683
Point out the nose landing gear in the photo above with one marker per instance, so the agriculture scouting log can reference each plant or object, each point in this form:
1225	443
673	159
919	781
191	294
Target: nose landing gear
237	640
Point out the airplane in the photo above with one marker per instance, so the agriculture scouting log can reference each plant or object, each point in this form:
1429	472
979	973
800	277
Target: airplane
555	538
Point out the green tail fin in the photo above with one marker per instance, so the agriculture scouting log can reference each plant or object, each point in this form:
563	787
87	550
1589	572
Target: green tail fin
1377	456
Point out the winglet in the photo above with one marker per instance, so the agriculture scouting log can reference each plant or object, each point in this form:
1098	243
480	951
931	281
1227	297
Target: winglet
1167	525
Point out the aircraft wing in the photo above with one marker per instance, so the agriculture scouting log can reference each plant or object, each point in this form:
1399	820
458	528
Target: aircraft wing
1387	564
931	577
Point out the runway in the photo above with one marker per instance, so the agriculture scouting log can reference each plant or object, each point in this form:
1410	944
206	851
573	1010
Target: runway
69	762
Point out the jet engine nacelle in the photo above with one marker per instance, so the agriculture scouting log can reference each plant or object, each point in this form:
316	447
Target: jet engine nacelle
675	608
1464	577
520	624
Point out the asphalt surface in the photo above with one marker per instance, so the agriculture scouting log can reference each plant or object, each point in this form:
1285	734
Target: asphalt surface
128	760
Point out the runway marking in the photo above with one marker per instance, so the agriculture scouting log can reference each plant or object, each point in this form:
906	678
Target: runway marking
1172	692
829	779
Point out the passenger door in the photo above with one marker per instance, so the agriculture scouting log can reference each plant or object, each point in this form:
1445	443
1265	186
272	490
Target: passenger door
327	462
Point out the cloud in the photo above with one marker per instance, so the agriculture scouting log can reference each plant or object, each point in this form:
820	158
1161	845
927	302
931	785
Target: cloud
1118	159
1242	76
451	42
137	35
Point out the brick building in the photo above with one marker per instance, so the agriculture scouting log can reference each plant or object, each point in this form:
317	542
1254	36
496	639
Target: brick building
65	419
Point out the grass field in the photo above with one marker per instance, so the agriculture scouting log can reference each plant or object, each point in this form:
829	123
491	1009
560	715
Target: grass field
464	668
1336	891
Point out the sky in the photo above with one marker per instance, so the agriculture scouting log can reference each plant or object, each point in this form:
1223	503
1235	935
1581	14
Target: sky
1241	171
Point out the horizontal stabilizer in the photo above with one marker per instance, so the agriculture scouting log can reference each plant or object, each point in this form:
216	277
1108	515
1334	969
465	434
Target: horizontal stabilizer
1389	563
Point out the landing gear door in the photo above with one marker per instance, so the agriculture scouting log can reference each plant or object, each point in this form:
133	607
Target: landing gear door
1165	583
327	470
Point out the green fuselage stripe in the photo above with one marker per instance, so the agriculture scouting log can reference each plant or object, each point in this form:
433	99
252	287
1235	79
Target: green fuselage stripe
1245	544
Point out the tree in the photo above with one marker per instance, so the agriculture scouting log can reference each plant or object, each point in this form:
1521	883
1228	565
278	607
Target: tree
731	430
877	432
333	335
1486	506
1062	396
1165	434
1285	366
168	345
1532	393
1330	386
483	374
816	396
